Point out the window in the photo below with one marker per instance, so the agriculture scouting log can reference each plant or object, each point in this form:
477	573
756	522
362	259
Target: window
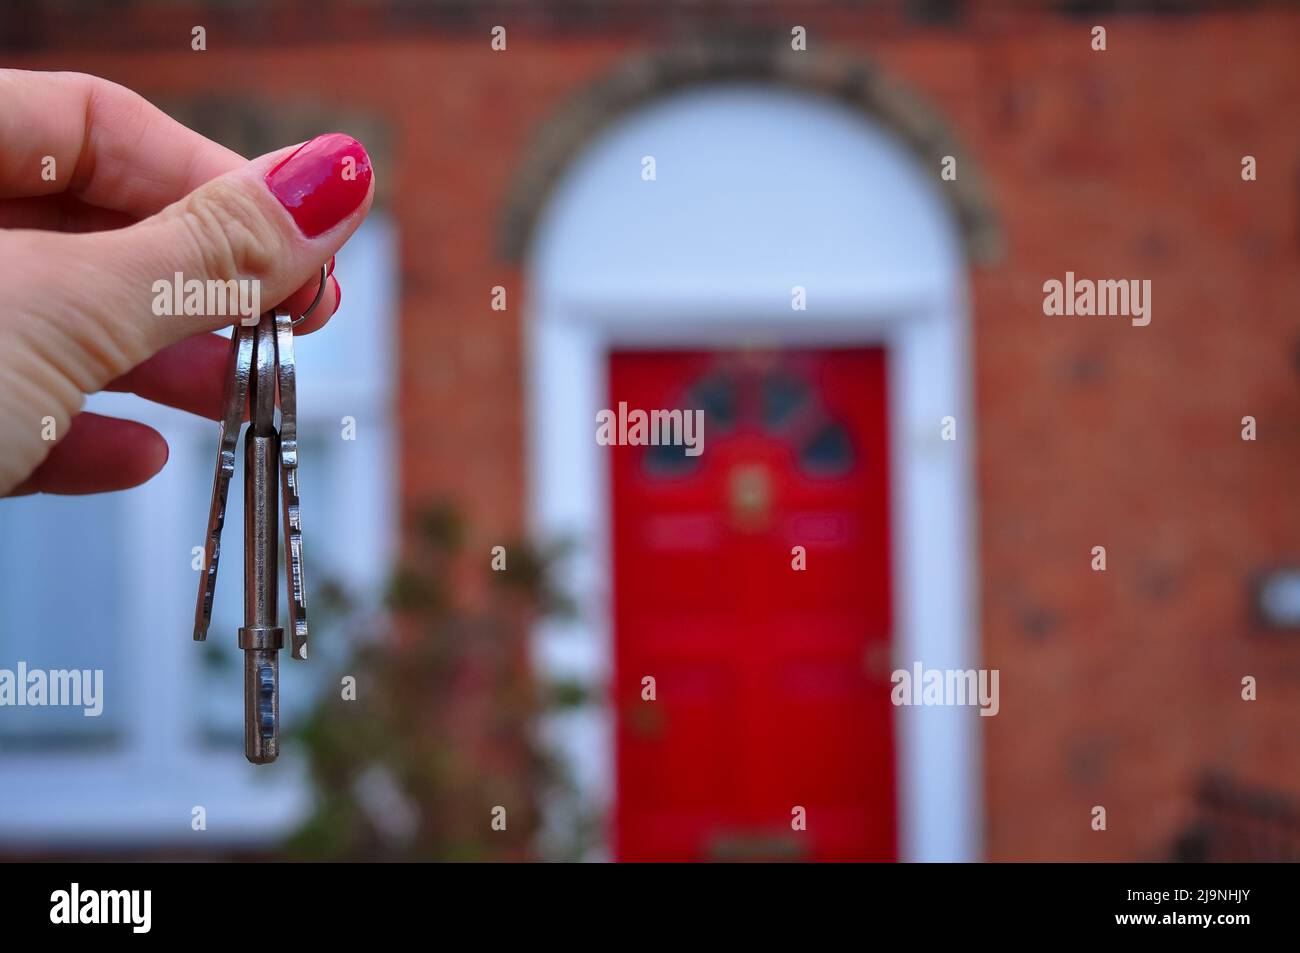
105	582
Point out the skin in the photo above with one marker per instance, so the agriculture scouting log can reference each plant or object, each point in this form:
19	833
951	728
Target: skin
137	197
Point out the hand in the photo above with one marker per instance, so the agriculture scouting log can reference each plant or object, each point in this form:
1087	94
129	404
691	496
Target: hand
102	197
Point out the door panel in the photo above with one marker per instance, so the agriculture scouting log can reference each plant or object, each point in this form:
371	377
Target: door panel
772	684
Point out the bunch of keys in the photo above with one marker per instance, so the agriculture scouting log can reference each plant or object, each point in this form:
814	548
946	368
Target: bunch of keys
261	360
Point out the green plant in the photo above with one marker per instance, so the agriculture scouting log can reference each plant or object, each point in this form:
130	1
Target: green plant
438	734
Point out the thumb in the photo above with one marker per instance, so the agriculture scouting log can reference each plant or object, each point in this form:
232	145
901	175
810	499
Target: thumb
268	226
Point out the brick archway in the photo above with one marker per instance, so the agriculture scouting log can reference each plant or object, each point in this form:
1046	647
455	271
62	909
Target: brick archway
850	80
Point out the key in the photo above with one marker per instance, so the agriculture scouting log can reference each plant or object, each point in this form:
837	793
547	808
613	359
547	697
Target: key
287	370
262	365
260	638
234	400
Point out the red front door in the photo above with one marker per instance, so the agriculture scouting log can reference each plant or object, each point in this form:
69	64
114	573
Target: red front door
771	682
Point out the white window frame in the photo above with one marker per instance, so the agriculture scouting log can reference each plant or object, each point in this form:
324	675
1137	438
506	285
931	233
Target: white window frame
141	792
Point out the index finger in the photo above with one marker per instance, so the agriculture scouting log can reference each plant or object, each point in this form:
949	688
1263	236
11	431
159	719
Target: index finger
110	147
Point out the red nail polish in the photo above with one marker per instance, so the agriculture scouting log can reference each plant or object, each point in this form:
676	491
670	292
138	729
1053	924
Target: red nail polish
338	293
322	182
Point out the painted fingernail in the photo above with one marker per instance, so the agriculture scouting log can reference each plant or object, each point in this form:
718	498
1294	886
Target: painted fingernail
322	182
338	293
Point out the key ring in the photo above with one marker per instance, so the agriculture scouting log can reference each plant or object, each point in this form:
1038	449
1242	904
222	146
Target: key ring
320	293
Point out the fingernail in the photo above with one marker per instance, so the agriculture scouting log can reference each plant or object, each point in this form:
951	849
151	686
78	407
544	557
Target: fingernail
338	293
322	182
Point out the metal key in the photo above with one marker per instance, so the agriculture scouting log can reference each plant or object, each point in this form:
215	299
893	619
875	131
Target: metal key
287	371
234	400
261	362
260	638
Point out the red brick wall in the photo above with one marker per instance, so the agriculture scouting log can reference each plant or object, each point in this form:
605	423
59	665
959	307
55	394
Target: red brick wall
1120	688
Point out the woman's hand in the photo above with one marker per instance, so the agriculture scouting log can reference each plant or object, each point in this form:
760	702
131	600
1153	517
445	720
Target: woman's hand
102	198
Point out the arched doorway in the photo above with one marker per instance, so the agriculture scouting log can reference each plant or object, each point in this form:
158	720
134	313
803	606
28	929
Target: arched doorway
784	245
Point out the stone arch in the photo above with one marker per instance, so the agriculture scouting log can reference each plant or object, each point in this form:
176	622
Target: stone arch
850	80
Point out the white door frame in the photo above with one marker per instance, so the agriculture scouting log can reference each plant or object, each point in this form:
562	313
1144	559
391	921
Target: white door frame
922	324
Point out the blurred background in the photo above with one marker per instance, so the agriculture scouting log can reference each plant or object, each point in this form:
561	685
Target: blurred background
827	225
